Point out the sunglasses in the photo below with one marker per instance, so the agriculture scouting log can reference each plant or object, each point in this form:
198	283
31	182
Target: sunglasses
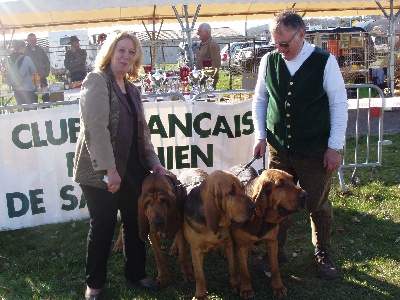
285	44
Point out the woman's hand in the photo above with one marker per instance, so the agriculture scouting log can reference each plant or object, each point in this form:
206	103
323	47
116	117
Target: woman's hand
114	180
159	169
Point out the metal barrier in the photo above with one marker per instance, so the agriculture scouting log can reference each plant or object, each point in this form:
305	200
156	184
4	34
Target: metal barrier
370	99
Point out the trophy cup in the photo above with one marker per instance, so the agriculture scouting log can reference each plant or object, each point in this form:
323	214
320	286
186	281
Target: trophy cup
184	76
157	79
195	79
208	72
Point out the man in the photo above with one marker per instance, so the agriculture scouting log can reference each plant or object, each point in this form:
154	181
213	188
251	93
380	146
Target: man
40	60
300	109
208	49
75	60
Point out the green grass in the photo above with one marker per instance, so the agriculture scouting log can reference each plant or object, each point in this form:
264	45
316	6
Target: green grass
47	262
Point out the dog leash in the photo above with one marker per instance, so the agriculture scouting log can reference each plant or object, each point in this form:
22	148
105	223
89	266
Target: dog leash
247	165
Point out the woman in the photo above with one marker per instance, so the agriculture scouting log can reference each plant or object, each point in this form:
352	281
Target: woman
115	141
24	93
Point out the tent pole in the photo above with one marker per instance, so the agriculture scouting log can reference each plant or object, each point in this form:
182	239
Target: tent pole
391	18
187	30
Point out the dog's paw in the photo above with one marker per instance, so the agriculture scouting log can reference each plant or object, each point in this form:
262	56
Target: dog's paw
200	297
174	250
188	276
247	294
280	292
164	279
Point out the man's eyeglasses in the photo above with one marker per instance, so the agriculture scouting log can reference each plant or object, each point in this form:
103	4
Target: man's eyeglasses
285	44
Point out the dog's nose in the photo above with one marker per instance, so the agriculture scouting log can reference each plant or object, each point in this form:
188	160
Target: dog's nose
302	198
251	208
158	220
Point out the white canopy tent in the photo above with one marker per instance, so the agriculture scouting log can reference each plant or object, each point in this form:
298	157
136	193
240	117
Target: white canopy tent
44	15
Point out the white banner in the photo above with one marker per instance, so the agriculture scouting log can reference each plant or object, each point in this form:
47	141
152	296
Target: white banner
37	150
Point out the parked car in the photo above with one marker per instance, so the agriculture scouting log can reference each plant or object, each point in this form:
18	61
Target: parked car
226	54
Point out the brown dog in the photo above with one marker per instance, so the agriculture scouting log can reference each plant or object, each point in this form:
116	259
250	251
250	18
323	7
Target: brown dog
160	211
275	195
210	210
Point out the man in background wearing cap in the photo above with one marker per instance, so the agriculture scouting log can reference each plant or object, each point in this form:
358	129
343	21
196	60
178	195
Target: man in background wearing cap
75	60
40	60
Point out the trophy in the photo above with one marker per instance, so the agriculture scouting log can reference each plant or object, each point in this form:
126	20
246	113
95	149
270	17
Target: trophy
157	79
208	73
195	78
184	76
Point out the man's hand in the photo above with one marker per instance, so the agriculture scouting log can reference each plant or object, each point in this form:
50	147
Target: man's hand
260	148
332	160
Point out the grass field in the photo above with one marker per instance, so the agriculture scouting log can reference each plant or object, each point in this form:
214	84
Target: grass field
47	262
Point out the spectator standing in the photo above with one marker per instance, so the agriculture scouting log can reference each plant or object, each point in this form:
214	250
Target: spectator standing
24	93
100	40
208	49
40	60
115	141
300	109
75	60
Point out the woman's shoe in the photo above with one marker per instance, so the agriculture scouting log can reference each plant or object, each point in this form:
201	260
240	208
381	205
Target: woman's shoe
92	294
149	284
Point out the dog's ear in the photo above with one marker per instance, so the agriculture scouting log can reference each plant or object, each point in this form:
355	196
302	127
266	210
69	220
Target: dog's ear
211	196
260	196
173	216
143	221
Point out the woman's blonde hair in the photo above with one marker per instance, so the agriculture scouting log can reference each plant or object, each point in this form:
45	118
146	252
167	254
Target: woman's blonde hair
104	55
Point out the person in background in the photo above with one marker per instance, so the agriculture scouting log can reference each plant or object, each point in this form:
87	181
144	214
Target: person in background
300	109
208	49
75	60
25	93
100	40
40	60
114	140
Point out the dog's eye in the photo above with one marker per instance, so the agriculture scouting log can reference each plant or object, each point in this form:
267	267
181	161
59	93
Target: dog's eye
232	191
146	205
280	184
164	201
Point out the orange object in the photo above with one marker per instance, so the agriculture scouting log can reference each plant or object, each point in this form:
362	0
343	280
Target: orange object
375	112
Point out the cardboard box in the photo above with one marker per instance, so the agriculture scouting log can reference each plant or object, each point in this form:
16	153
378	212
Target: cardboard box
56	96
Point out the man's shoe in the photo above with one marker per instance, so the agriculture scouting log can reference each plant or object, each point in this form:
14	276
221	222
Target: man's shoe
263	263
149	284
325	266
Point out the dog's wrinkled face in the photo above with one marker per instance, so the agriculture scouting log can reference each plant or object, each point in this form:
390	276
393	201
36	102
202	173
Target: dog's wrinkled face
224	200
157	208
157	204
277	195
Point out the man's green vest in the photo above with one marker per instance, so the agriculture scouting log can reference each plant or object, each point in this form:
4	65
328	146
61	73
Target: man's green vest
298	117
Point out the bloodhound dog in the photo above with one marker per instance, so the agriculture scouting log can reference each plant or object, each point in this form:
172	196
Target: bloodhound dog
160	211
211	208
189	178
275	195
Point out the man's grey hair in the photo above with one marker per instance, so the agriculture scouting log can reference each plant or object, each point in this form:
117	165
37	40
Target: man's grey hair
206	27
288	19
